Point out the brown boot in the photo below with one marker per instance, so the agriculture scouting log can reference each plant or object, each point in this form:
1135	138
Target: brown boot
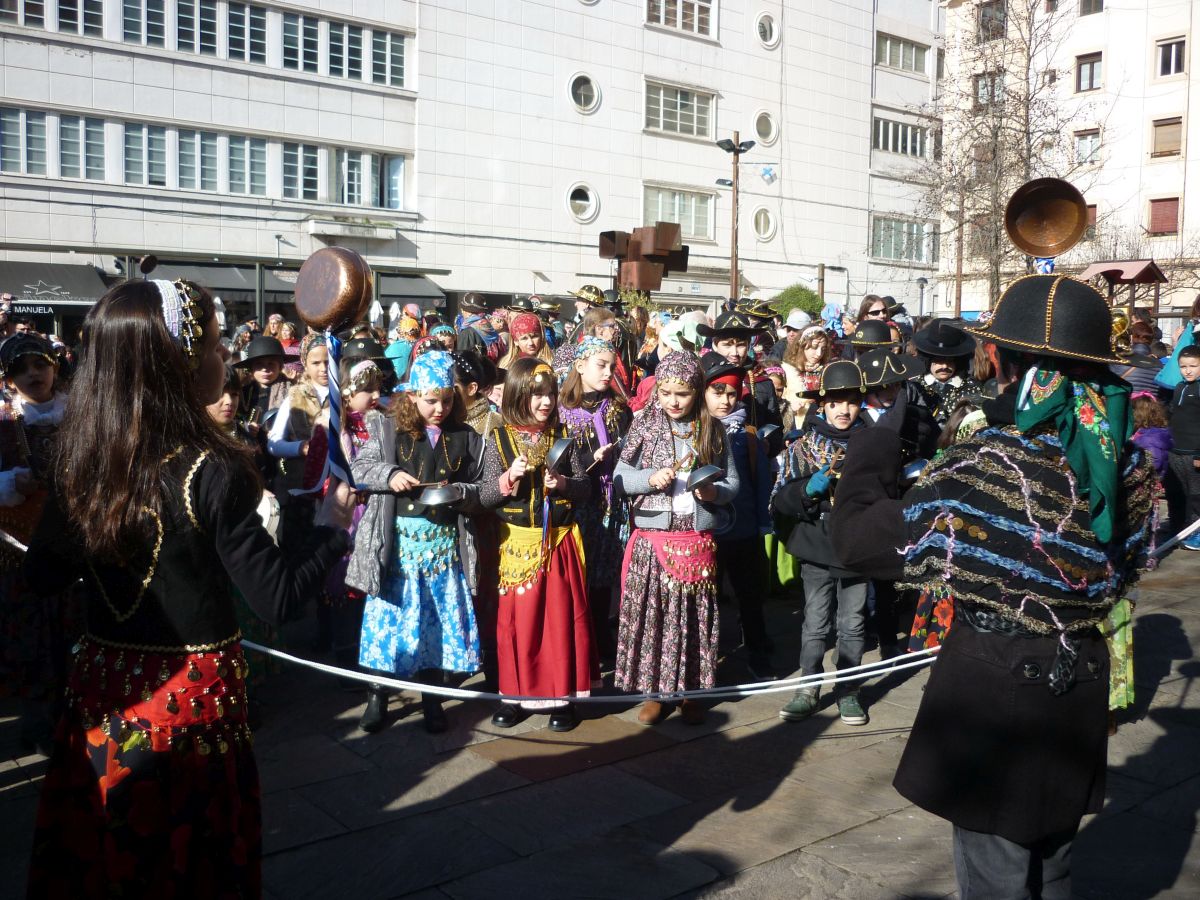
691	712
652	712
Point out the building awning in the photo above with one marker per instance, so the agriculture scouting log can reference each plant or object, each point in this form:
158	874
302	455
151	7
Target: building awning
228	280
51	283
408	287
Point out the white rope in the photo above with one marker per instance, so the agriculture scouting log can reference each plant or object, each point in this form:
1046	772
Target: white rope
857	673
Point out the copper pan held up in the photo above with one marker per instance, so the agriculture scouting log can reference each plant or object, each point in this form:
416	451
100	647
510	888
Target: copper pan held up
1046	217
333	289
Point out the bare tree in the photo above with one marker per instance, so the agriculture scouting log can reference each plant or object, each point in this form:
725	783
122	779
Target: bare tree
1004	121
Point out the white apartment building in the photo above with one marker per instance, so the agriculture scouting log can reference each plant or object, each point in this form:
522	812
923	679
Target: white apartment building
1123	75
460	144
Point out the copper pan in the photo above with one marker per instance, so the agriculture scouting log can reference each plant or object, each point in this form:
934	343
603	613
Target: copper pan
1046	217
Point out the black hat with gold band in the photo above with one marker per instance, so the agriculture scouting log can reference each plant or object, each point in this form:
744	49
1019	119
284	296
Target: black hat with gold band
1054	315
589	294
839	375
730	325
872	333
882	367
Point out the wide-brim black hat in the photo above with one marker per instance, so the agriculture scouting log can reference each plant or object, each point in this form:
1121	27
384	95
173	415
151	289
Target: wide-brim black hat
944	340
261	347
839	375
760	311
522	304
1055	316
872	333
715	366
475	302
730	325
881	367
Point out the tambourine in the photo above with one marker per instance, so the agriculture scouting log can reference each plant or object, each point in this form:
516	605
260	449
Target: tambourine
333	289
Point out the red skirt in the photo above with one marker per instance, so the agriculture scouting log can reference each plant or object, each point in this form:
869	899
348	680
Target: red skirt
544	643
152	788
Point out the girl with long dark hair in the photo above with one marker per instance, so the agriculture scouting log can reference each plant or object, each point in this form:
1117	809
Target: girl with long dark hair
152	788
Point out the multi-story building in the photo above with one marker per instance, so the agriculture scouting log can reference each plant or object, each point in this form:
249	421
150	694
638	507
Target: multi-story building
461	144
1119	79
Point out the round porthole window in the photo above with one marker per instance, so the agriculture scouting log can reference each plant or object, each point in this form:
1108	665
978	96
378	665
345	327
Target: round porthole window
768	31
584	93
765	128
582	203
765	225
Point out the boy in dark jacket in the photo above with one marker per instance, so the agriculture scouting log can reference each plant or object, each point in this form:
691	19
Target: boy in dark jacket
805	493
741	553
1183	477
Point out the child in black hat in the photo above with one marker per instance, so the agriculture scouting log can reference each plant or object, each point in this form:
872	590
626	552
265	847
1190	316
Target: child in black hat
731	338
804	494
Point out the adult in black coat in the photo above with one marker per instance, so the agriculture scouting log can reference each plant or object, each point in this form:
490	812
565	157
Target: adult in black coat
1009	743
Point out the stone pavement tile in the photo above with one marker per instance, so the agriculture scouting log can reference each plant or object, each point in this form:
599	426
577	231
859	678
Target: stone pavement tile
388	861
398	785
722	715
1128	857
290	821
471	723
1156	749
304	760
549	814
798	876
861	778
1178	806
544	754
610	867
1122	793
908	852
17	815
744	828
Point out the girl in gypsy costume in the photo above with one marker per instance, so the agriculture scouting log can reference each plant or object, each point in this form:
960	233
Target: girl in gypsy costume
33	630
152	788
544	642
667	636
418	619
597	417
527	338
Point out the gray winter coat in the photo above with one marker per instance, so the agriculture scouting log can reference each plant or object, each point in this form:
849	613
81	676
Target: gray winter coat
633	482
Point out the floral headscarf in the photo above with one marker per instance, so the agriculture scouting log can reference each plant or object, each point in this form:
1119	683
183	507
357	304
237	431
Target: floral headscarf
523	324
650	436
313	339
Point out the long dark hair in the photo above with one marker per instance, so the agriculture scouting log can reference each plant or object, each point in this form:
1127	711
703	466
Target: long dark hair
132	408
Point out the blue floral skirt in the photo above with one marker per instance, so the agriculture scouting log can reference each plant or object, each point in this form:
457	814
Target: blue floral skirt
423	617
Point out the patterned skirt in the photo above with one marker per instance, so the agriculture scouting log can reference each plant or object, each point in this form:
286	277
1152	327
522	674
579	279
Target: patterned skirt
423	617
152	788
932	620
605	533
667	637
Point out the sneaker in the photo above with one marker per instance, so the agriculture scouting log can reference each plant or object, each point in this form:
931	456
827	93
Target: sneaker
851	710
802	705
1192	543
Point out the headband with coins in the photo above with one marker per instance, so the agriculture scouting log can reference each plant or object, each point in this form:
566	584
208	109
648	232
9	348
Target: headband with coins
541	372
363	375
182	315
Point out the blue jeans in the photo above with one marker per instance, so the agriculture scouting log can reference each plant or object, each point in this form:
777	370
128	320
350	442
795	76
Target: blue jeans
822	593
989	867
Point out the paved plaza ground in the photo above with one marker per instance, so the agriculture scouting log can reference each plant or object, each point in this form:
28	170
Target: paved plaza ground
744	806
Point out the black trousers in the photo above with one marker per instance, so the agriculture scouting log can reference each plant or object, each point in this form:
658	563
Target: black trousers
742	567
886	619
1182	486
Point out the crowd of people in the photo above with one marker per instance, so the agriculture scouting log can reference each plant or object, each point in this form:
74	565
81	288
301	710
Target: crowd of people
562	503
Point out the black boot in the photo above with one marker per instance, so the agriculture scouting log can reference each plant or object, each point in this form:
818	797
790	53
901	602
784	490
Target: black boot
373	716
435	716
508	715
563	718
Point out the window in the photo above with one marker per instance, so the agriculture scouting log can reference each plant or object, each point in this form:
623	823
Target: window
692	210
391	182
1168	137
198	160
900	137
145	22
1089	233
1170	57
768	31
248	166
765	128
692	16
22	142
983	159
345	51
993	20
583	93
1087	146
900	54
677	110
1164	216
81	148
369	179
350	171
145	155
764	224
905	240
300	42
300	171
196	26
247	33
24	12
1051	6
81	17
1088	7
1087	72
581	202
387	58
989	89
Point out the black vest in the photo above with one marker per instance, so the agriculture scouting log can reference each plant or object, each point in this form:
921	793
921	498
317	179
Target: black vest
524	507
448	460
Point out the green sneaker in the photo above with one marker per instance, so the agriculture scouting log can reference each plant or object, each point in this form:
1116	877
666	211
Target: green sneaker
802	705
851	710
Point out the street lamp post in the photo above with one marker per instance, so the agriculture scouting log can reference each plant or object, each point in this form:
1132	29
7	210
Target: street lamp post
737	148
